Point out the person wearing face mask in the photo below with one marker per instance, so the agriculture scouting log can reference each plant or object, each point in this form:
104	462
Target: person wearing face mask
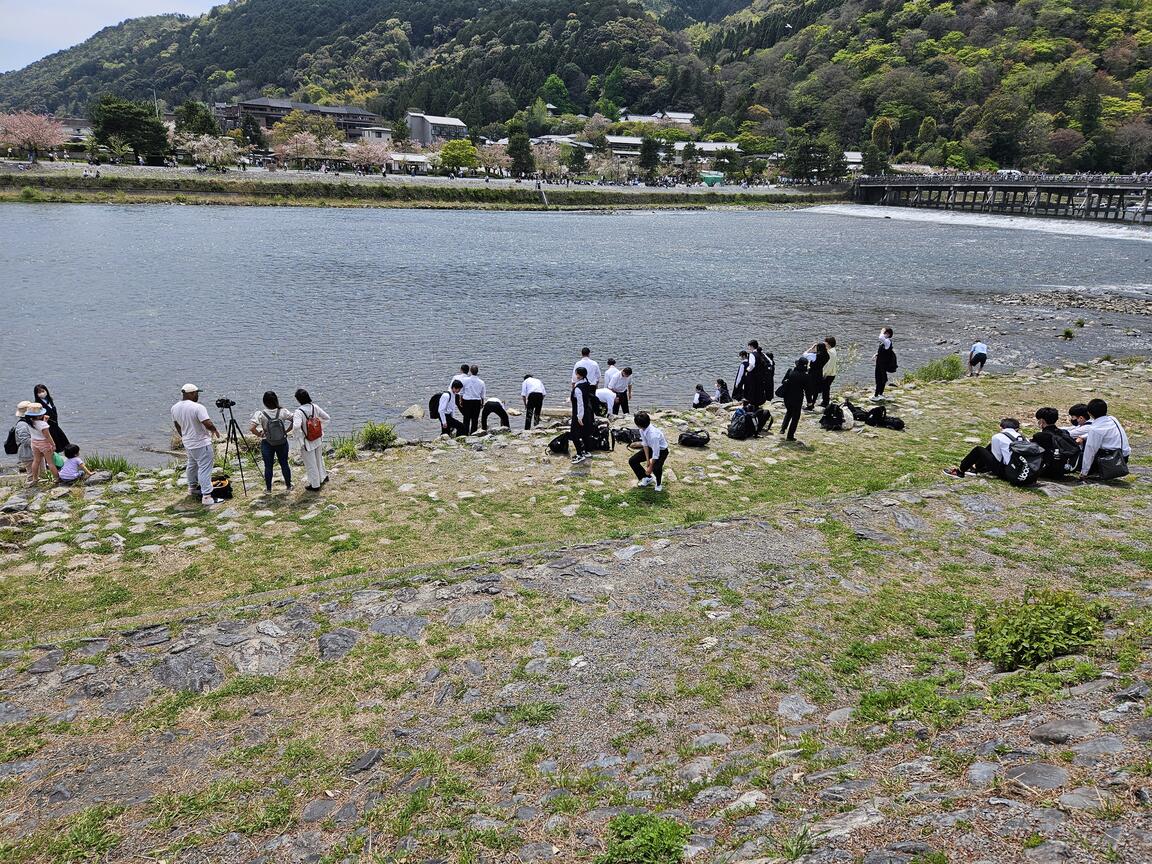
44	398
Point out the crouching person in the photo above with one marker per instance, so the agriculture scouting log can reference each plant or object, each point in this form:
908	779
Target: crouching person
648	462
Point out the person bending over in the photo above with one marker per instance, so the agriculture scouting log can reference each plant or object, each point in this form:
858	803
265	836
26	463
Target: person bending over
532	393
494	406
993	458
977	357
647	463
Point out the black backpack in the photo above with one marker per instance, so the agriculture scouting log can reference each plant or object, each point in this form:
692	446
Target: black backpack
858	414
894	423
434	405
10	445
833	417
1066	453
742	426
559	444
626	436
1025	462
876	416
695	438
601	438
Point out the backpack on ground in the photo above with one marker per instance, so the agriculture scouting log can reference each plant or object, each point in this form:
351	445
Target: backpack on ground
313	428
742	426
858	414
694	438
626	436
601	438
833	417
559	444
221	487
876	416
894	423
1025	462
274	432
1066	454
434	405
10	446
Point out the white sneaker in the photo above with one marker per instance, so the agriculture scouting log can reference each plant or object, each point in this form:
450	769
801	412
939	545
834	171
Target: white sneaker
577	459
875	398
207	500
658	488
647	481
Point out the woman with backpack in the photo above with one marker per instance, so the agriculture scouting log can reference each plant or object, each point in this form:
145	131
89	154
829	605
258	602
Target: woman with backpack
308	420
271	426
792	390
885	363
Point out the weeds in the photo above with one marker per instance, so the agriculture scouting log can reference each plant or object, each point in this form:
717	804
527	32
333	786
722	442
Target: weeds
115	464
942	369
377	436
644	839
1045	624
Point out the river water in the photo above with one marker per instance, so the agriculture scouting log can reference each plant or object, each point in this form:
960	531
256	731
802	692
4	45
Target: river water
115	307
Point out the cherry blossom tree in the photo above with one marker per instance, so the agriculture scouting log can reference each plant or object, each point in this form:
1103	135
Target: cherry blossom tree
494	159
209	149
32	133
298	147
373	153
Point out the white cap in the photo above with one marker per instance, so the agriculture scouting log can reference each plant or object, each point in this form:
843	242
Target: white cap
189	388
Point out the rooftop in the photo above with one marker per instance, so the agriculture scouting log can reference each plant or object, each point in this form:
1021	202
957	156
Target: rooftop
288	104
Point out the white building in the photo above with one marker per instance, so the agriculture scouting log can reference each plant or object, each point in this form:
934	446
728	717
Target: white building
378	133
426	129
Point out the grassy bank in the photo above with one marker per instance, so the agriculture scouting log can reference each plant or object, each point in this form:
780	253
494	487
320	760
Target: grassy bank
390	193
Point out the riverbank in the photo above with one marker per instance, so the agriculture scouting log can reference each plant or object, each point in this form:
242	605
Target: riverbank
466	649
282	189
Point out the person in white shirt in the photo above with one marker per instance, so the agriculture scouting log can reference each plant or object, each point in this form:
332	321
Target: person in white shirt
472	398
492	405
977	357
1081	421
885	358
607	398
621	385
532	392
830	370
700	399
611	373
1105	433
648	462
993	458
446	410
583	399
591	368
308	422
196	431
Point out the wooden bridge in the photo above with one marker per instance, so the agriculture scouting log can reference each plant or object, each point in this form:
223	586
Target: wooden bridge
1099	197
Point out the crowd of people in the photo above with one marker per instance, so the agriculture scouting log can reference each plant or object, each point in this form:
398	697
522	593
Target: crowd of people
1094	443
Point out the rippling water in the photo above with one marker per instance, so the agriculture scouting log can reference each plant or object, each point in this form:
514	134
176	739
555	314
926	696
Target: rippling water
372	310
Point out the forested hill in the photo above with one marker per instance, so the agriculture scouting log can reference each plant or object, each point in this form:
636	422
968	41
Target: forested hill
1052	83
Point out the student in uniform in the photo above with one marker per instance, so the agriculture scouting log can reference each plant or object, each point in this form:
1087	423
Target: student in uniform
885	363
993	458
700	399
449	423
611	373
1105	433
760	375
492	405
648	462
830	370
532	392
591	368
1061	452
1079	421
607	398
472	397
720	395
817	361
977	357
621	385
583	401
792	390
740	382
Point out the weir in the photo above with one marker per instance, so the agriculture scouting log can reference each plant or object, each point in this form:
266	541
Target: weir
1105	198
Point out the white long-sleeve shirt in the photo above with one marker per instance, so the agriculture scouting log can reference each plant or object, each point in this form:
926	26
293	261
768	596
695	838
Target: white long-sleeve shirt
447	407
299	423
591	366
607	396
654	440
1105	433
622	384
474	389
611	376
532	385
1002	444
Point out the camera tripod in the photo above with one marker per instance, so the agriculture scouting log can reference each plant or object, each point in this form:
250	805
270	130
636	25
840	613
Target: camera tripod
232	439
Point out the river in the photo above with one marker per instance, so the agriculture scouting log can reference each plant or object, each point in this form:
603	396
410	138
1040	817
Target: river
115	307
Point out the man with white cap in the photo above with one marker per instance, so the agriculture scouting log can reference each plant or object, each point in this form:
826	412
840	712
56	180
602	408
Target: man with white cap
196	430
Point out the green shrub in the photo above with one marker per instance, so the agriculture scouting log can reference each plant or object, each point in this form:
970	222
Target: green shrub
1020	634
1068	333
644	839
345	446
378	436
27	193
115	464
943	369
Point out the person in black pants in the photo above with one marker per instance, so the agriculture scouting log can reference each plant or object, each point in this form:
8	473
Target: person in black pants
816	373
648	462
494	406
792	390
993	458
271	426
532	393
885	362
830	370
583	401
449	424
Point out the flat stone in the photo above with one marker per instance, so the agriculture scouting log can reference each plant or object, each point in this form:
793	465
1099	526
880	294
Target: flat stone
840	716
747	801
53	550
460	615
1037	775
1141	730
536	852
319	809
1049	852
46	663
843	824
366	761
795	707
1106	745
271	628
74	673
410	627
10	713
1063	731
1084	798
261	655
337	643
227	640
983	774
190	672
149	636
695	770
710	739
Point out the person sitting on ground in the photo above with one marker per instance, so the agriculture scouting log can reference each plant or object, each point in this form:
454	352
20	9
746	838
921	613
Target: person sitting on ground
648	462
494	406
700	399
73	469
1079	419
792	391
993	458
271	426
450	424
1061	452
977	357
720	395
1105	433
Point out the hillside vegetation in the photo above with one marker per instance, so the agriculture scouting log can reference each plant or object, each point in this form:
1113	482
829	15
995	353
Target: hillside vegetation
1047	84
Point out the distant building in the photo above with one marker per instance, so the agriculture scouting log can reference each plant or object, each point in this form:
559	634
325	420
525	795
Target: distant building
349	119
377	133
705	150
428	128
680	118
77	128
855	160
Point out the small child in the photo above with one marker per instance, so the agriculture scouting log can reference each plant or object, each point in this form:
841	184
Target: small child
700	399
73	469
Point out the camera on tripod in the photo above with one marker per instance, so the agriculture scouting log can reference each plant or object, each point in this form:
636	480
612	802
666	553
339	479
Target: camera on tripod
224	402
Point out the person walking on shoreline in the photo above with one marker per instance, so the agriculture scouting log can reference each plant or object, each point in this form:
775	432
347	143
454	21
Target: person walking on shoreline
792	390
472	399
885	363
532	392
308	420
196	431
271	426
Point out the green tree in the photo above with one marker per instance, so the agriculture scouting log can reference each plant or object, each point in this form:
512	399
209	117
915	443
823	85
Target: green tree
253	132
320	126
649	155
401	134
456	155
882	130
555	91
873	161
928	131
195	118
520	150
133	123
576	159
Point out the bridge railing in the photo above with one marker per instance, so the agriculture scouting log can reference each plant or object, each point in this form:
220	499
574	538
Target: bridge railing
1023	180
